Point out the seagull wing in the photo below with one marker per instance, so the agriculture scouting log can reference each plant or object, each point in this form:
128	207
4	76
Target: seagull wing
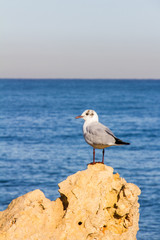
98	134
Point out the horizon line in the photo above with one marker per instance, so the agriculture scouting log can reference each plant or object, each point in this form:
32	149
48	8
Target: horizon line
36	78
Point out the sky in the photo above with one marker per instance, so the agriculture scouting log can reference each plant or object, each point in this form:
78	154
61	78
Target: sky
80	39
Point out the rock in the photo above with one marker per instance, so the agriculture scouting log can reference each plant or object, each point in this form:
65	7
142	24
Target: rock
94	204
31	216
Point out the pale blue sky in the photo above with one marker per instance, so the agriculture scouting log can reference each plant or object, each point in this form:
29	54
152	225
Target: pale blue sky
79	39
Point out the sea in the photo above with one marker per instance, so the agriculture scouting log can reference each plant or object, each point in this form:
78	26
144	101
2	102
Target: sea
41	142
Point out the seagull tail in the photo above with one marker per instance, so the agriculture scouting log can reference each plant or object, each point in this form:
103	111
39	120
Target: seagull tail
120	142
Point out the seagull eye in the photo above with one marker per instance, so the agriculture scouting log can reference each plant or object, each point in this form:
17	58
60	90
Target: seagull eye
87	113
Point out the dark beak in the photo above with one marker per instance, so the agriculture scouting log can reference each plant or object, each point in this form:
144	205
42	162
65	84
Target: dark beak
79	117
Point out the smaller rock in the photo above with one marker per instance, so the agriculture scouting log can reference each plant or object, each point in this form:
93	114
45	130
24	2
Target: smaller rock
31	216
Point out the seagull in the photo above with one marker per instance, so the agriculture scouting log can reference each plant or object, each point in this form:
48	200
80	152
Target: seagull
98	135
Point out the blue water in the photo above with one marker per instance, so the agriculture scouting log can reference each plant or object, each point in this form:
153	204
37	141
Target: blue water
41	142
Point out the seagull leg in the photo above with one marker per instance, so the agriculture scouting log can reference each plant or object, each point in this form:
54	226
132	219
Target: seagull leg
93	155
103	156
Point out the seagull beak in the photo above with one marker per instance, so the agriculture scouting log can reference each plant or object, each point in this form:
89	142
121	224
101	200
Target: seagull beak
79	117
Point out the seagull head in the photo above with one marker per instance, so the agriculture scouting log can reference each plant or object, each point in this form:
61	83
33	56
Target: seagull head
89	115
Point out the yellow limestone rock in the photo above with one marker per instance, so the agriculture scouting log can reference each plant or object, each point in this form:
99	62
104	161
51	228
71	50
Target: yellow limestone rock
31	216
94	204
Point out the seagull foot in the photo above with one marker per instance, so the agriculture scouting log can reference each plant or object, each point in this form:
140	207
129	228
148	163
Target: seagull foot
93	163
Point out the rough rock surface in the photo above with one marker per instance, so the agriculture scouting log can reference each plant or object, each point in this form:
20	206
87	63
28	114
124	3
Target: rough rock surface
94	204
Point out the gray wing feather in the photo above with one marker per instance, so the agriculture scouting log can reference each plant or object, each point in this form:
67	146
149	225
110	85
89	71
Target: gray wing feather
99	134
